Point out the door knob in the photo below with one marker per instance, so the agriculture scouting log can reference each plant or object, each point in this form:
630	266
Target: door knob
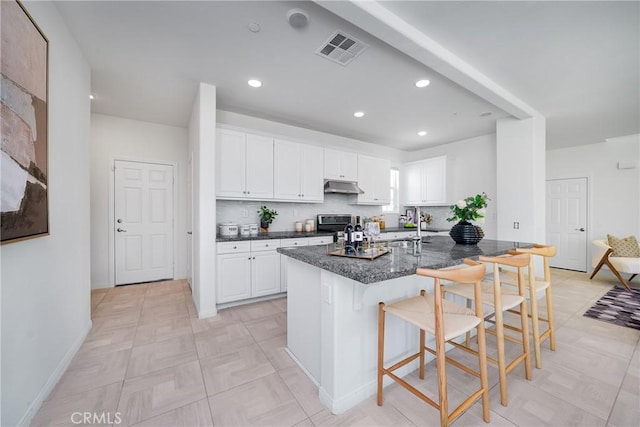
579	229
119	221
120	230
189	232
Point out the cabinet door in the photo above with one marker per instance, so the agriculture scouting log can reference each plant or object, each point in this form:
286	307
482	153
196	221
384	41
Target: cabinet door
340	165
412	184
233	277
287	169
265	273
311	181
259	167
435	180
373	179
230	164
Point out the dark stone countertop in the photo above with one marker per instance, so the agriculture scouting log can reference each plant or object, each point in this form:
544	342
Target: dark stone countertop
295	234
437	252
273	235
397	229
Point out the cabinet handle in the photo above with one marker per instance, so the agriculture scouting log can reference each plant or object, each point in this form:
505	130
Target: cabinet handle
254	257
302	195
235	247
248	192
295	244
249	258
266	246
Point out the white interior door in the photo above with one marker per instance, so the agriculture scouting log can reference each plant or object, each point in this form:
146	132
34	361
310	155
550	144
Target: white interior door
143	197
567	222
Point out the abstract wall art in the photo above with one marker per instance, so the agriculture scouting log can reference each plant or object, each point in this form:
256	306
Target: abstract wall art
24	61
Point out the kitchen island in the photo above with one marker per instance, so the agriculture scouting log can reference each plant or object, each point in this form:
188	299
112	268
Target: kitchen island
332	311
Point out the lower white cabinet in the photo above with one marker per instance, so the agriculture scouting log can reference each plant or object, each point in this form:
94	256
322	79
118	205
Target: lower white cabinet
396	235
247	270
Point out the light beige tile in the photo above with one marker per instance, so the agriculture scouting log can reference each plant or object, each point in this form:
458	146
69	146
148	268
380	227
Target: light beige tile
280	303
263	402
107	341
229	370
275	349
200	326
164	299
626	410
530	406
165	288
162	354
162	330
161	391
268	327
609	344
106	323
161	312
106	308
194	415
87	372
102	401
303	389
254	311
223	339
367	413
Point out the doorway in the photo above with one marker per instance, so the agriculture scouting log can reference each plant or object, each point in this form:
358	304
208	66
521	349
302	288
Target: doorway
143	227
567	222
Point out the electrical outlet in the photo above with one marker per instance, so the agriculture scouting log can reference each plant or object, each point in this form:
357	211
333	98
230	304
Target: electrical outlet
245	213
516	226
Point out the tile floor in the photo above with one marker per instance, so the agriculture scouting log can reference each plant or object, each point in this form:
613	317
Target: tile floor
149	361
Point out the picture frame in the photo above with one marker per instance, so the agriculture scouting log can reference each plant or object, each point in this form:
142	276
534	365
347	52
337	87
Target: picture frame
24	66
409	213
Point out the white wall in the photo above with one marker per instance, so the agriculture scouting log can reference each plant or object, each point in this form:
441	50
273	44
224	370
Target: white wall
202	139
471	169
46	281
614	194
118	138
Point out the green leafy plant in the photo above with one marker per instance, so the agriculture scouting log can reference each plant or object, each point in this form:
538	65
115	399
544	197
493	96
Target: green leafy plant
472	208
267	215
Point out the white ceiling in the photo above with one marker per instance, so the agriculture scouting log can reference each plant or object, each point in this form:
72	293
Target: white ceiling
577	63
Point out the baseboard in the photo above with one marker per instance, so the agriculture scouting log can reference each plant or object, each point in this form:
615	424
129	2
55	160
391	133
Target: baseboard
54	378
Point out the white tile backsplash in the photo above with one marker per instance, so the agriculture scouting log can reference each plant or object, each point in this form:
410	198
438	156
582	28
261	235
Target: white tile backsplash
241	212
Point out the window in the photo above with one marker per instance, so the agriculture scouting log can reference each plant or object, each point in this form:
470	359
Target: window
394	184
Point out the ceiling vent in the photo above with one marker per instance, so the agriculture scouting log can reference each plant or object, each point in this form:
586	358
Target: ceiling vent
341	48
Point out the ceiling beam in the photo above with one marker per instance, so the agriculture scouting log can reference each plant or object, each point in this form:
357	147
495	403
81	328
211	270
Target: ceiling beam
378	21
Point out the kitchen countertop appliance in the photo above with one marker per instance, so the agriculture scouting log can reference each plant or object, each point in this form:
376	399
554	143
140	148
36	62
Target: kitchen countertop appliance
335	223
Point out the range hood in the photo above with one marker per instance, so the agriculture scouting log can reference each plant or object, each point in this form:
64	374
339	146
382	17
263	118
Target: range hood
342	187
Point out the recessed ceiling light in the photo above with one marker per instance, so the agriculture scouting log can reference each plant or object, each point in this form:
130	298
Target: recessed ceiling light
91	96
254	27
358	114
254	83
422	133
422	83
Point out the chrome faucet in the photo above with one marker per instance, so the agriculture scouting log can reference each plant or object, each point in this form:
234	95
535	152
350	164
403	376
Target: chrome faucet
417	239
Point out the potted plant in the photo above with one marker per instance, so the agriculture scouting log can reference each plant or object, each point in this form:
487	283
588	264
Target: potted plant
472	208
266	217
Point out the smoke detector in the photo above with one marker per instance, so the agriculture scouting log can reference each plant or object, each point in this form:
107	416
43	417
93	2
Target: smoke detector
341	48
297	18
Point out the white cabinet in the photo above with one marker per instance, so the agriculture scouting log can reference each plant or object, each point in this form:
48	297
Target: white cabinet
298	170
244	166
396	235
247	270
340	165
373	179
424	183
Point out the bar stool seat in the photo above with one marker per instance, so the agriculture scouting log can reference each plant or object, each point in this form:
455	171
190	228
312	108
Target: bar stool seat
419	310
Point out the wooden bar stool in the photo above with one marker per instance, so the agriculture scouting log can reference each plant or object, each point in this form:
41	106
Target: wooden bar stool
445	320
536	284
501	300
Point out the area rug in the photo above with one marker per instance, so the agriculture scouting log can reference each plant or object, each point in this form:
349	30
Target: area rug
618	306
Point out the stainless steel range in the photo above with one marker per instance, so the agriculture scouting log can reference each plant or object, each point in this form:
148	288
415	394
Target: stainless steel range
335	223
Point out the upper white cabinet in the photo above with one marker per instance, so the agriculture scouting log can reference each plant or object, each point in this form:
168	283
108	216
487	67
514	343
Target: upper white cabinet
424	183
244	165
373	179
298	171
340	165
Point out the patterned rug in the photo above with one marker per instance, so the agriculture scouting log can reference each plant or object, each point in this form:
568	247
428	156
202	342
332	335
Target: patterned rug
618	306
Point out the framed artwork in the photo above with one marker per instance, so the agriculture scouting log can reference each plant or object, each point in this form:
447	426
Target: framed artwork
24	63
